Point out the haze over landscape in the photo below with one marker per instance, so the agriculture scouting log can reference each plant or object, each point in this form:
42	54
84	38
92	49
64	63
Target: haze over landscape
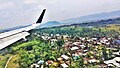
16	13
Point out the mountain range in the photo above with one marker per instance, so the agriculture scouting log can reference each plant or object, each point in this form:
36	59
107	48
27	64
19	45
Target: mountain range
93	17
83	19
77	20
50	24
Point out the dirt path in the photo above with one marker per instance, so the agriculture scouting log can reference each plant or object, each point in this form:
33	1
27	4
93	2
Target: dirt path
12	62
8	61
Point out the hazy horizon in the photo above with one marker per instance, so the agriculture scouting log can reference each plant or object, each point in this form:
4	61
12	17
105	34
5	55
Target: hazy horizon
15	13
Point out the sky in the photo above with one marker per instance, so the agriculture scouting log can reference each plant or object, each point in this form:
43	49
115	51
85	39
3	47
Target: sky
23	12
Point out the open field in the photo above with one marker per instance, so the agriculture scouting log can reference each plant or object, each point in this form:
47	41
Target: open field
3	60
13	63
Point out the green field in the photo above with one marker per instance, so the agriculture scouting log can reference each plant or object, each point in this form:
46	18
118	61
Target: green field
3	60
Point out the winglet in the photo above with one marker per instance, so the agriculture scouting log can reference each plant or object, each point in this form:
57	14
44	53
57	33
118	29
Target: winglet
41	17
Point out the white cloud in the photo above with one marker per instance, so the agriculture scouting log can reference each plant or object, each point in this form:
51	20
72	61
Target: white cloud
29	1
22	12
6	5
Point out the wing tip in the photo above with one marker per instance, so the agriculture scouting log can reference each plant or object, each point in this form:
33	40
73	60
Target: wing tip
41	16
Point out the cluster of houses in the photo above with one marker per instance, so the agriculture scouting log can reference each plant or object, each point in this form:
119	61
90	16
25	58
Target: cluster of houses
83	48
90	50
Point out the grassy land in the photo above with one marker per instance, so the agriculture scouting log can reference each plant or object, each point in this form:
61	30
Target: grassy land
3	60
112	27
13	63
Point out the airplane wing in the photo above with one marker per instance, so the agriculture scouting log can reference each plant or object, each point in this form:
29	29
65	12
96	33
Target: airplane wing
11	37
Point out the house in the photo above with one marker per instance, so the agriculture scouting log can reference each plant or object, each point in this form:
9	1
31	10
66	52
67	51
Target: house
117	42
99	43
107	43
117	59
109	61
85	60
40	62
74	48
116	53
65	57
79	53
85	50
55	64
64	65
83	39
92	61
102	65
49	62
82	46
110	65
114	61
35	66
76	43
60	60
94	39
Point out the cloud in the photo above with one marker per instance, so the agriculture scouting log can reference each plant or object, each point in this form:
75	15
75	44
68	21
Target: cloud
22	12
6	5
29	1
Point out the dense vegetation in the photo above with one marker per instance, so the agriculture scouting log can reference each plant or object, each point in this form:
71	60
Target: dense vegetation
80	31
33	51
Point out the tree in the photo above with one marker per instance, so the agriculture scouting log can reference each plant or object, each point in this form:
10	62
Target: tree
104	53
59	44
79	63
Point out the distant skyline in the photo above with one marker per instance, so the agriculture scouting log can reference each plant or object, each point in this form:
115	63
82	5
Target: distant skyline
23	12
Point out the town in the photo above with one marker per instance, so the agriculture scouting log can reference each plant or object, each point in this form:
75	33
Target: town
81	51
